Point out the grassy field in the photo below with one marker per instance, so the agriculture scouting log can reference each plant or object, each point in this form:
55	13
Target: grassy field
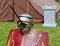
54	33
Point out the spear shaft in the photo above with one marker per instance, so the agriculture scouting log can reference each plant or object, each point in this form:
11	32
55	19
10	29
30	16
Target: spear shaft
15	13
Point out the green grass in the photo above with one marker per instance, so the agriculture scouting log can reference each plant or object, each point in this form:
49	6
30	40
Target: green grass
4	30
54	33
58	2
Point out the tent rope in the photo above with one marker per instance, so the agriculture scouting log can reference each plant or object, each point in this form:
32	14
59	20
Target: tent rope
27	6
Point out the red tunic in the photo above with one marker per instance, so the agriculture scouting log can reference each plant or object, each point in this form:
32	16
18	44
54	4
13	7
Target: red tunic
35	38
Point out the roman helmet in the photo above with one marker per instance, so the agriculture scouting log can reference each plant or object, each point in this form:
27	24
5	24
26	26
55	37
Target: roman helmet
26	19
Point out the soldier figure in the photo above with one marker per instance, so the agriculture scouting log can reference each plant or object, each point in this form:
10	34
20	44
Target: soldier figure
25	35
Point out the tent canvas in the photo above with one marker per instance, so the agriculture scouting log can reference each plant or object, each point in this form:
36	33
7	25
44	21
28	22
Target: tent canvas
20	6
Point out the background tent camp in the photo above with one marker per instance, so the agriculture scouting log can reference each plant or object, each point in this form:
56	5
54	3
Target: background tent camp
20	6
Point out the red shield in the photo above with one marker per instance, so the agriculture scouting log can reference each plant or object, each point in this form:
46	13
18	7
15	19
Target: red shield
35	38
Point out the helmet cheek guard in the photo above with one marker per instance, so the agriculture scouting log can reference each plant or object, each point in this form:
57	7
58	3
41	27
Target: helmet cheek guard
19	24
